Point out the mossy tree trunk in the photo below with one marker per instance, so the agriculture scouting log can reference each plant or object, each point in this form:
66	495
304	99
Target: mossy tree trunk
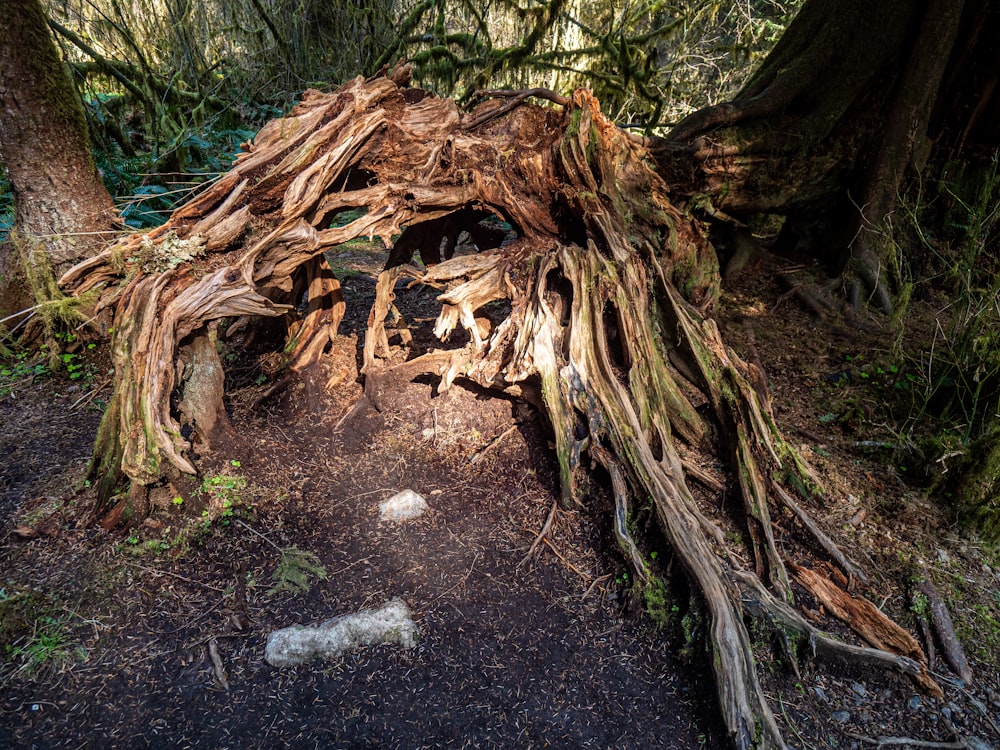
62	209
840	121
605	291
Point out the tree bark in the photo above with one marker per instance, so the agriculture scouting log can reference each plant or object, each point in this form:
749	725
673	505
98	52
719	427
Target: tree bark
607	284
59	198
840	117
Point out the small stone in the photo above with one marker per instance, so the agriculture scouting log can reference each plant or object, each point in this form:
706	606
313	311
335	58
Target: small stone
841	716
946	713
821	694
402	506
914	703
859	690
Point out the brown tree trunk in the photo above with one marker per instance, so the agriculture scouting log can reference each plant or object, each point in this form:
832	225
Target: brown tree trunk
842	114
606	288
60	200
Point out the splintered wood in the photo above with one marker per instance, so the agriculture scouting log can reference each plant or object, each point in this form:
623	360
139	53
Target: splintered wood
593	304
867	621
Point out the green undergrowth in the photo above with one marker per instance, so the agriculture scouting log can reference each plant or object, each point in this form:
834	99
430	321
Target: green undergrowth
295	571
974	609
222	501
184	522
81	367
928	403
36	633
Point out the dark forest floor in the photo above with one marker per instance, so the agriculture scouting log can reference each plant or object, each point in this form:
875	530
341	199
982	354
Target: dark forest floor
106	636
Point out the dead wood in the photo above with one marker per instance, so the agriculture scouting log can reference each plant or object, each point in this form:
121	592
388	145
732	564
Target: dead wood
604	285
951	647
867	621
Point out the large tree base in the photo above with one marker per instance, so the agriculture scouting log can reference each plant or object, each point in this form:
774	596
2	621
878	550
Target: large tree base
593	302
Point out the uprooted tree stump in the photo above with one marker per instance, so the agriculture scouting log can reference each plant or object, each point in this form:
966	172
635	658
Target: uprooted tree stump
604	291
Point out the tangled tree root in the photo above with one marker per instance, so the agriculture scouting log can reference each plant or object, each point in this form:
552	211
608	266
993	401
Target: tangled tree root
599	306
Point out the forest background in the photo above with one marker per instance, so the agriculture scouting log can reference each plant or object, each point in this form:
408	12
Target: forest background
171	91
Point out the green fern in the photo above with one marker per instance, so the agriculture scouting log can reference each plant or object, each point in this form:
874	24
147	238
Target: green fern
294	571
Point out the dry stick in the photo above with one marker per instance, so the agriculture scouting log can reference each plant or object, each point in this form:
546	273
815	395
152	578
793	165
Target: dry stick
215	636
220	671
702	476
566	562
516	98
521	95
896	741
975	702
254	531
592	586
26	311
754	354
821	538
175	575
541	534
941	621
90	395
788	721
493	444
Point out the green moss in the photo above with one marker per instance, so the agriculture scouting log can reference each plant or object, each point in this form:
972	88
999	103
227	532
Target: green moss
692	630
972	487
657	600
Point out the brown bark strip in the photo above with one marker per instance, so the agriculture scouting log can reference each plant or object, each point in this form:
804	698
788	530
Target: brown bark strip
864	618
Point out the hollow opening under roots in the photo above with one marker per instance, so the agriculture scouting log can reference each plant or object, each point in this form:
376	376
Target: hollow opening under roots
562	274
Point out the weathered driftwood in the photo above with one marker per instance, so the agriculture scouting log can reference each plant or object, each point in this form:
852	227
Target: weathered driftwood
604	291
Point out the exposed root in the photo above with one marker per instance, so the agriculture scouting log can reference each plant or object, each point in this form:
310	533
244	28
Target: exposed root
941	621
840	316
604	292
868	622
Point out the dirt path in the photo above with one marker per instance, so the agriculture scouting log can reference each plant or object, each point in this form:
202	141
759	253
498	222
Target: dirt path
509	656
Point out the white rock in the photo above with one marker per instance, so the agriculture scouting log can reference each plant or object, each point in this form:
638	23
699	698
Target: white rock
392	623
402	507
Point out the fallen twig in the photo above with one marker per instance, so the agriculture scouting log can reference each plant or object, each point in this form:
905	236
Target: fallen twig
788	721
962	744
220	671
90	395
566	562
175	575
541	534
514	99
493	444
593	585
